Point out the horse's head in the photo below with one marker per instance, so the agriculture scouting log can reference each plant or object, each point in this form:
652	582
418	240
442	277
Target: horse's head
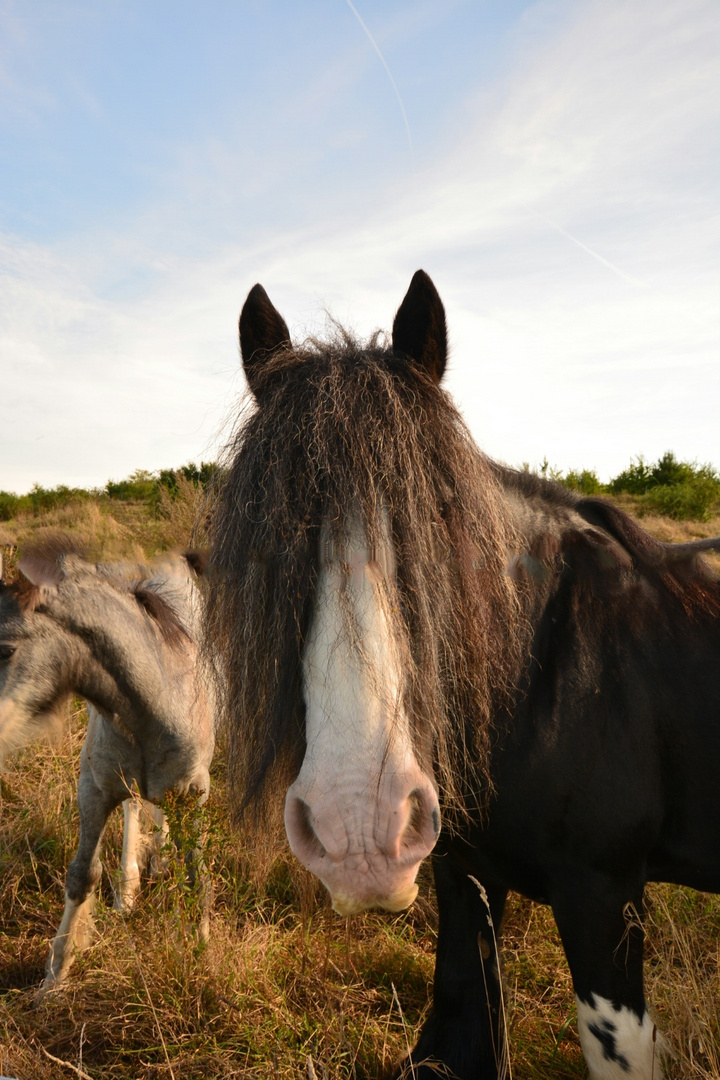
363	812
32	655
353	540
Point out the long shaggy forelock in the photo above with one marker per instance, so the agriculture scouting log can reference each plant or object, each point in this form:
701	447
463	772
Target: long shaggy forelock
351	435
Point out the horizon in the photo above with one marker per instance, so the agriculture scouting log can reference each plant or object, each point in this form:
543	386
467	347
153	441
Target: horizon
544	468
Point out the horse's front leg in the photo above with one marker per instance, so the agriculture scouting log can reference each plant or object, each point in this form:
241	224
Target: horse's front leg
139	849
75	930
463	1031
134	853
599	919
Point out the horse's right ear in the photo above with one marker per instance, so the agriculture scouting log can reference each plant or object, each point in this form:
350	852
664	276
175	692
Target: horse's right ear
42	570
31	594
198	561
262	331
419	329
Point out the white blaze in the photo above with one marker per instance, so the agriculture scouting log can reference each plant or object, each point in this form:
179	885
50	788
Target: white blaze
362	814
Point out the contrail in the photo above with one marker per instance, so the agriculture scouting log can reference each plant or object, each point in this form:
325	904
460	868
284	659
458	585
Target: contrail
568	236
376	47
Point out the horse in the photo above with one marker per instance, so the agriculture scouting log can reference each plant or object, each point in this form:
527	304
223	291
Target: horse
428	653
124	637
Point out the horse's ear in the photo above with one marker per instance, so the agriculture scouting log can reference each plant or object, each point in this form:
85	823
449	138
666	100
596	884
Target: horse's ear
198	561
419	328
33	591
41	569
262	331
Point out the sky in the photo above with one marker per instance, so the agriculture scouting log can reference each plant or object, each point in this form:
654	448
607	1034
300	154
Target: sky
553	165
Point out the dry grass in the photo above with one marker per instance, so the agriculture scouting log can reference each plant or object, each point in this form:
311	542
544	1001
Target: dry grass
113	529
282	978
283	981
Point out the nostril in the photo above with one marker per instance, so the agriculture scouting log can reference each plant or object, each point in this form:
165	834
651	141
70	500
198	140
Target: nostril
302	833
422	818
413	829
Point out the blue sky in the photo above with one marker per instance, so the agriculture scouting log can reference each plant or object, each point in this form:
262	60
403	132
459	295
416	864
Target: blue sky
553	166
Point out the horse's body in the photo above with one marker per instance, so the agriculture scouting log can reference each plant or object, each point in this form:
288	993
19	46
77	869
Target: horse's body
409	627
125	639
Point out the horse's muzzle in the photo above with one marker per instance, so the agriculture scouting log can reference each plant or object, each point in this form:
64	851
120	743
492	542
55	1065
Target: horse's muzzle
366	852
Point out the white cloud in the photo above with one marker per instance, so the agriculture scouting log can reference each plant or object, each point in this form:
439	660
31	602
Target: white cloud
572	232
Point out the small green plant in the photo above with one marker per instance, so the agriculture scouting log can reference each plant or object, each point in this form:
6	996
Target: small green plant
188	854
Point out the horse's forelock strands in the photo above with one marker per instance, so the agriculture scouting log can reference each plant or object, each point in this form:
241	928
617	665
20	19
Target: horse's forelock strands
341	427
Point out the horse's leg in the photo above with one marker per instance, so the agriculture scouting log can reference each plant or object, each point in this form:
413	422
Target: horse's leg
139	849
83	874
133	852
463	1030
599	919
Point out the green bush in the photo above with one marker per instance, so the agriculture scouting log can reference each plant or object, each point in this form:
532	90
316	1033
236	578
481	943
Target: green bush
585	481
40	500
141	485
199	477
9	505
692	500
635	480
677	489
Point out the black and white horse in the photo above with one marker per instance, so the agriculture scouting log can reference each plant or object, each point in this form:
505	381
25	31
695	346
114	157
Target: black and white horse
412	633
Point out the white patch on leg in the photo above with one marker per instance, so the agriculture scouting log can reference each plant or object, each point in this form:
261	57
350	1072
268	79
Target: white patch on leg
617	1043
75	932
130	863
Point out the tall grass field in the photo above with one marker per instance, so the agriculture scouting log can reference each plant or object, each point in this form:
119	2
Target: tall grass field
284	988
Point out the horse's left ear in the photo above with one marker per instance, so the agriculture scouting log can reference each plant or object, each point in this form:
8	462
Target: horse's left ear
419	328
262	331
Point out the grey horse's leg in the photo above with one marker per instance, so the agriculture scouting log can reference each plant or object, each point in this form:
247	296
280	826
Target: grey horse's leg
134	855
75	930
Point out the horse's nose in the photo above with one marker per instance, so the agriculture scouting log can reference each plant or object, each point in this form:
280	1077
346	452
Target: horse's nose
409	832
364	850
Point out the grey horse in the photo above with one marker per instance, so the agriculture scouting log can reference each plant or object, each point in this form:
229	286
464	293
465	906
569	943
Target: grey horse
124	637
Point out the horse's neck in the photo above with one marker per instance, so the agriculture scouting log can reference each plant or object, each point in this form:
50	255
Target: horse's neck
534	519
